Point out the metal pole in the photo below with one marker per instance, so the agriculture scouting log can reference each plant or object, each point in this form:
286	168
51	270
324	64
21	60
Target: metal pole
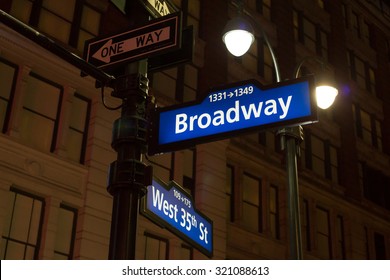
291	137
127	177
128	174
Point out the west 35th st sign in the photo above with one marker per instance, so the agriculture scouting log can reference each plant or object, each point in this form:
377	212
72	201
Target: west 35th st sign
173	208
236	108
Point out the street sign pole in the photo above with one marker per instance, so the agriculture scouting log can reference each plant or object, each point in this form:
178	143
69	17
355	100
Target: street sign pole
291	137
127	175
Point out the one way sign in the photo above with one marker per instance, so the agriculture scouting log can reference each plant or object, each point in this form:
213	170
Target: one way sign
156	37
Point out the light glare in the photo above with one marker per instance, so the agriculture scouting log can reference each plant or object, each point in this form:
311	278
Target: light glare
325	96
238	41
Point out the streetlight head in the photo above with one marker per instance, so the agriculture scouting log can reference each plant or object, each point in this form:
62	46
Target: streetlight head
326	90
238	36
325	96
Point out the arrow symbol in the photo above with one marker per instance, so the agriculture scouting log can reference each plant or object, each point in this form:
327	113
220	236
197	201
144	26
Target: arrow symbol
230	94
110	49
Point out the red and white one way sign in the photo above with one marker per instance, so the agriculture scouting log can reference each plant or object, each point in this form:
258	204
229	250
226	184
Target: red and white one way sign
156	37
111	49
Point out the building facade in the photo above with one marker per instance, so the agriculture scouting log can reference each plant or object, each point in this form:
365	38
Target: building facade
55	140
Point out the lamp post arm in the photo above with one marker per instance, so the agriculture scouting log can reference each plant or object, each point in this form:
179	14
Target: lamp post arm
303	60
271	50
241	10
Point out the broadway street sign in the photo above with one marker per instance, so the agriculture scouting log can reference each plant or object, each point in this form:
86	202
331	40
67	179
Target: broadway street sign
171	207
156	37
235	108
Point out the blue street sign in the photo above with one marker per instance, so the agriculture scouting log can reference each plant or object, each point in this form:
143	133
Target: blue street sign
173	208
235	108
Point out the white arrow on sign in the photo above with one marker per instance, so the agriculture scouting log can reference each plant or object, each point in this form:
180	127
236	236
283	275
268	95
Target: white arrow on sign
110	49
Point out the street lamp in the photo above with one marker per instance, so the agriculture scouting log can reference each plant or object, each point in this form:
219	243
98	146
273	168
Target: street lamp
235	34
238	38
326	90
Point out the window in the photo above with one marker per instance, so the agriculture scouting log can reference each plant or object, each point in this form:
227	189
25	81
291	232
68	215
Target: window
366	243
380	246
56	18
305	224
318	155
310	34
323	234
321	4
78	128
229	192
264	7
355	24
376	186
191	13
370	80
362	73
164	82
156	248
367	127
366	36
322	44
39	122
187	83
66	231
163	166
340	246
186	252
89	25
274	212
189	161
22	228
8	72
321	157
251	207
360	28
71	22
331	162
345	15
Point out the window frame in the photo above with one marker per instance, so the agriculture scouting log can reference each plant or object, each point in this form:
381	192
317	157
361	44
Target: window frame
160	239
59	109
260	206
275	214
7	116
8	238
302	36
328	236
86	126
75	24
73	232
